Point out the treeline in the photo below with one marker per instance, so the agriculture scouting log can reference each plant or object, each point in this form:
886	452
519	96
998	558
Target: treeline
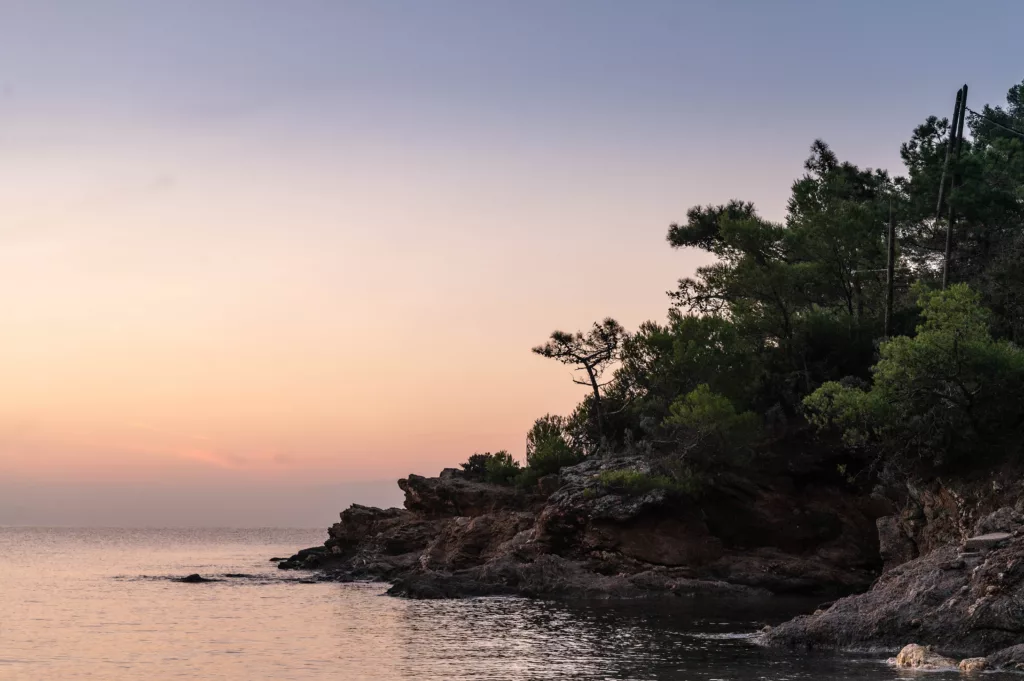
785	330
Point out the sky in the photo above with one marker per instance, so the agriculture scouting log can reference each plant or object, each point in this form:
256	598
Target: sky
260	259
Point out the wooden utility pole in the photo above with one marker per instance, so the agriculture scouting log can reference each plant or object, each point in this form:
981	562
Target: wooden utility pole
890	271
949	152
958	138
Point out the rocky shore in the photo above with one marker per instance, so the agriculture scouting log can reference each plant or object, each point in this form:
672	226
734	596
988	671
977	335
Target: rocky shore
964	598
574	537
941	566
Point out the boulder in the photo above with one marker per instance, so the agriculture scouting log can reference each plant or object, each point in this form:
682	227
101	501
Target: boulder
973	664
914	656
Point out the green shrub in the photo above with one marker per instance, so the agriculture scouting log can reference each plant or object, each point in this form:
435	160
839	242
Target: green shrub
527	478
548	448
950	393
632	482
710	428
475	467
499	468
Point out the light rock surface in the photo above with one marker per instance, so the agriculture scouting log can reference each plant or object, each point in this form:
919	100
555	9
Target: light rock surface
973	664
983	542
919	657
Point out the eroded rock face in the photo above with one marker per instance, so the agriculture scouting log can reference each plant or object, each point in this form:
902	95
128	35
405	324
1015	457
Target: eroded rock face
450	494
959	603
464	542
938	513
1007	658
573	537
769	535
894	545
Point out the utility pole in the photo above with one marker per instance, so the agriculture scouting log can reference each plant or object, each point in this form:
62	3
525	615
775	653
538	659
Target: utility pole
949	151
890	271
958	134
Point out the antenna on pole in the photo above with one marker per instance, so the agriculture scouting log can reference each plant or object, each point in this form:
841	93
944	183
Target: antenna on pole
956	142
890	271
957	112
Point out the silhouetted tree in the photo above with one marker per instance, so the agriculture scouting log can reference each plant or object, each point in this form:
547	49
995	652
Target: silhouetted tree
592	352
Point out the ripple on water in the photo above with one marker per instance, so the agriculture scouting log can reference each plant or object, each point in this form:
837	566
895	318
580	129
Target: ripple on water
99	604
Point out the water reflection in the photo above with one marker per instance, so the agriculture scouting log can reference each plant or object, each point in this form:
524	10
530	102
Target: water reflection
520	639
74	608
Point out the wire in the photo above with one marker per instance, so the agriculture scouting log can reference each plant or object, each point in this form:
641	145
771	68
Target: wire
996	123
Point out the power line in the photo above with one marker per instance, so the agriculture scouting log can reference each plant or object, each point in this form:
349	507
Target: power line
996	123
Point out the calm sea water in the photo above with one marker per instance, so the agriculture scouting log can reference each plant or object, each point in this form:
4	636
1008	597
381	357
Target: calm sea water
99	604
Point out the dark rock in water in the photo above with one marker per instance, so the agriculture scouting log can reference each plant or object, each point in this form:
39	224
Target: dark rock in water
277	560
307	559
933	600
552	576
238	575
195	579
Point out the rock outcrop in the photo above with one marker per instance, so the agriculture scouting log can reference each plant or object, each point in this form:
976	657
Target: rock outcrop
1007	658
572	536
965	599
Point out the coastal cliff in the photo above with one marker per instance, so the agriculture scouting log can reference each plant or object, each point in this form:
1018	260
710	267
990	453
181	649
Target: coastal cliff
953	577
574	535
942	565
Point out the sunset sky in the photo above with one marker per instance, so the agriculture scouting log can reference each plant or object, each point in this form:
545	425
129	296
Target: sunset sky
256	252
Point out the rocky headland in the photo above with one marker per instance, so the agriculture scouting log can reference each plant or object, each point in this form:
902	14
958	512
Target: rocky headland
574	536
939	565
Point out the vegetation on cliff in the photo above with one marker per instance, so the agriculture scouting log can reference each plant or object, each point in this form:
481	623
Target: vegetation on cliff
787	326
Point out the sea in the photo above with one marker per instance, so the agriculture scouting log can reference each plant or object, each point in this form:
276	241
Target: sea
104	604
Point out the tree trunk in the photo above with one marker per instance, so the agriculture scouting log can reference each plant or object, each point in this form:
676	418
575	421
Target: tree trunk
597	398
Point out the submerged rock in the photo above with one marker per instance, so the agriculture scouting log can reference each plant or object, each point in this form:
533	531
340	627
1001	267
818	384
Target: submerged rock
195	579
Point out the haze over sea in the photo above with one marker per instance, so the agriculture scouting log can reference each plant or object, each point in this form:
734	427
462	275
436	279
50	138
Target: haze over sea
100	604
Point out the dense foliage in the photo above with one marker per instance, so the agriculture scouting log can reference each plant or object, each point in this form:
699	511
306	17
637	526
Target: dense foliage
550	447
785	327
498	468
950	392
